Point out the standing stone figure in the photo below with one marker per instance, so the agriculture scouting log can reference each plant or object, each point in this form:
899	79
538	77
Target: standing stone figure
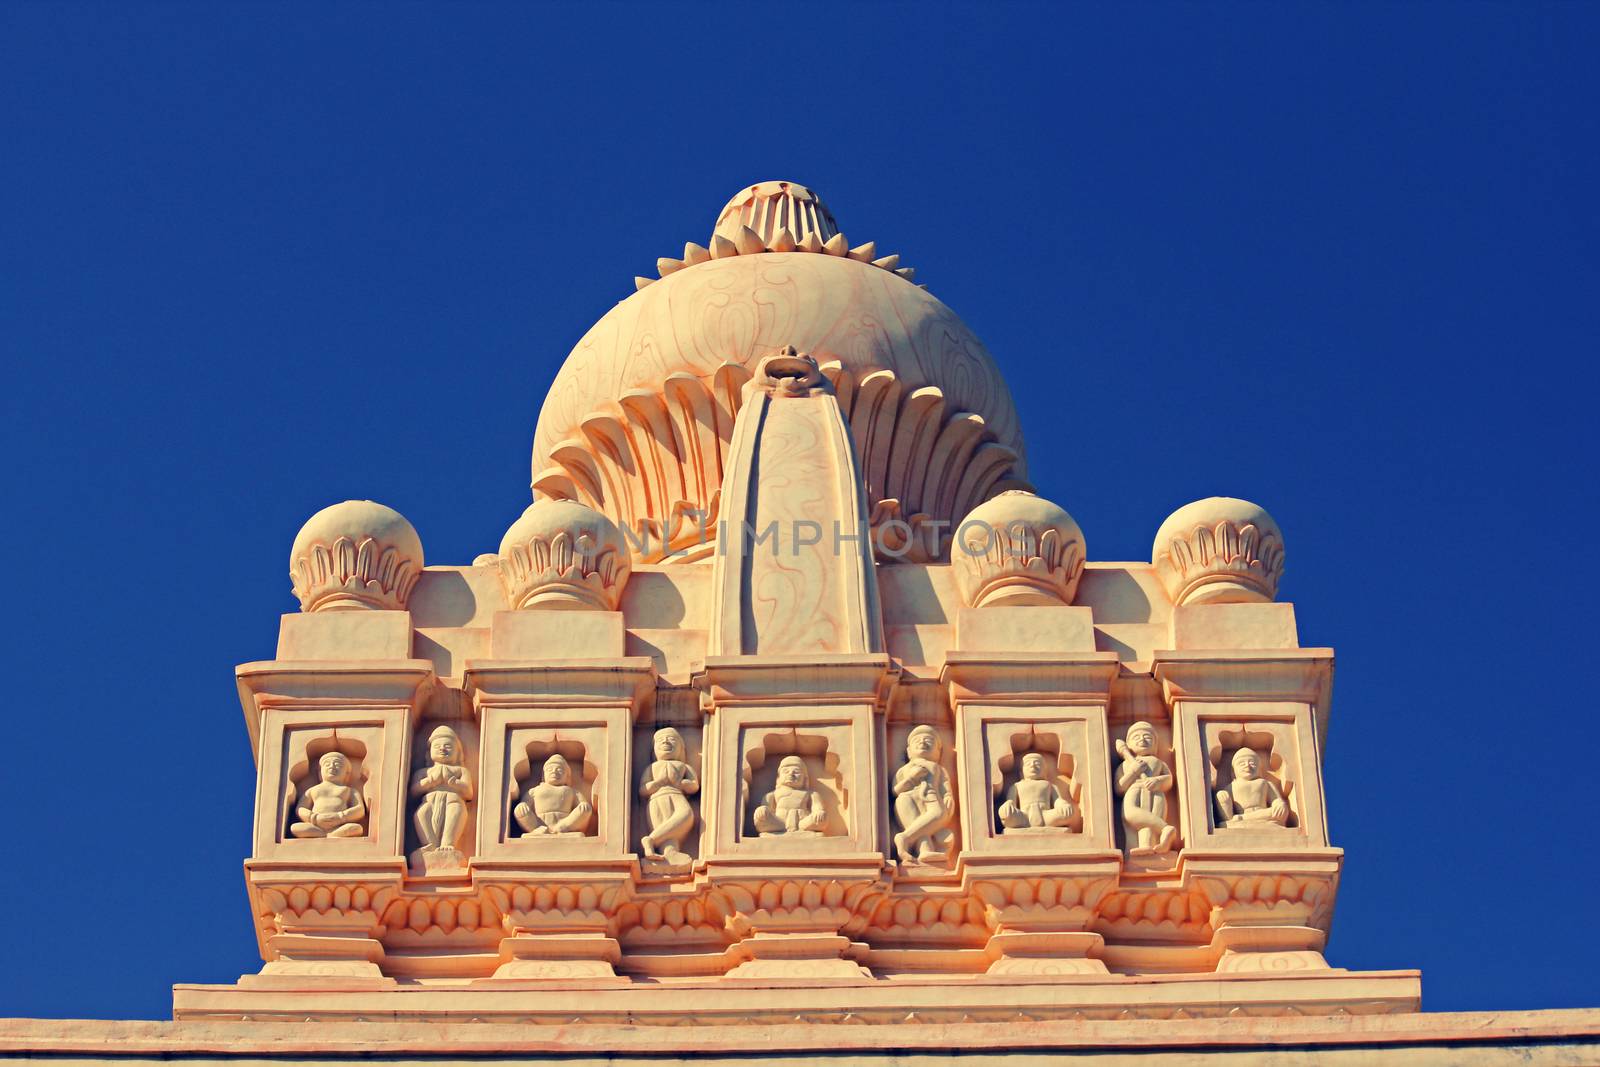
445	786
553	807
665	784
1033	802
793	808
923	801
331	808
1143	781
1253	799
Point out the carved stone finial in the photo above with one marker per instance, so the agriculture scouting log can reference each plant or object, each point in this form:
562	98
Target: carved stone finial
1220	550
789	373
1018	549
356	554
771	209
563	555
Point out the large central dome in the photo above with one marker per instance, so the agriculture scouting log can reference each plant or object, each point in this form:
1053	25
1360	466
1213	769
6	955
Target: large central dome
637	422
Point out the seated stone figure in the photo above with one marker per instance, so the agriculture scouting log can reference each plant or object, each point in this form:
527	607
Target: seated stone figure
444	787
553	807
331	808
1033	802
923	801
1252	798
793	808
665	783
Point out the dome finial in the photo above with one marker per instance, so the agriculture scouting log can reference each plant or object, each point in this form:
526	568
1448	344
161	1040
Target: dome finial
771	208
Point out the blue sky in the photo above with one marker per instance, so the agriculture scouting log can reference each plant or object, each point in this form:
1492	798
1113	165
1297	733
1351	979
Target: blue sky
1340	260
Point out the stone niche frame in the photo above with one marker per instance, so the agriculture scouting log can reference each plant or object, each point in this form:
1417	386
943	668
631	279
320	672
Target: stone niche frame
1214	703
1040	891
788	901
372	741
1063	703
319	902
838	737
559	895
1271	890
528	711
317	706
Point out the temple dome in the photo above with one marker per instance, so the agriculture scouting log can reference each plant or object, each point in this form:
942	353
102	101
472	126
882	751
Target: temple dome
637	421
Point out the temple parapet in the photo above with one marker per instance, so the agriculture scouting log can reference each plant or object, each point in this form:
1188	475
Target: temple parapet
880	718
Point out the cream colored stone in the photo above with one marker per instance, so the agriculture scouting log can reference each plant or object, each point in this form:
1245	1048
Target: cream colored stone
553	807
640	418
793	808
668	783
1251	797
686	802
1015	550
1323	1039
1220	550
345	635
356	554
442	789
331	808
561	555
557	635
1025	629
1143	782
1035	801
1234	626
924	802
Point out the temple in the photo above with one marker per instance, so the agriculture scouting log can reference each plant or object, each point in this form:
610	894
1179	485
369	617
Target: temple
787	704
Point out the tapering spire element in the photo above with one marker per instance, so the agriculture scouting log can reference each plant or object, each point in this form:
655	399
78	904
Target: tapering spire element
771	208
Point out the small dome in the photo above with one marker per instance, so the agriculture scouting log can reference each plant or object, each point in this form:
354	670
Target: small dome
1220	550
1018	549
355	554
561	555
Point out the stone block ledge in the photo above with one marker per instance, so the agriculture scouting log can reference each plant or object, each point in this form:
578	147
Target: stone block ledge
1567	1036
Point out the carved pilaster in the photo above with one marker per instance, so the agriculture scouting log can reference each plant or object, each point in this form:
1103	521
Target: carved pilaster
1246	735
322	933
553	849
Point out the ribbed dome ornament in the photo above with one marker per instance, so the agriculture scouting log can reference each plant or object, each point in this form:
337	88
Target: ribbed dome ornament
776	217
770	208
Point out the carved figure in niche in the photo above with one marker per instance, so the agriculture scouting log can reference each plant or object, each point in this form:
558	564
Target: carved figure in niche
793	808
331	808
1033	802
553	808
1253	799
1143	781
667	783
923	801
445	786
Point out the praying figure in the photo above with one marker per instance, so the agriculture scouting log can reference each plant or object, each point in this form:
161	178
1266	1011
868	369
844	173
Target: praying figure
793	808
1143	781
445	786
1252	799
923	801
667	783
1033	802
331	808
553	807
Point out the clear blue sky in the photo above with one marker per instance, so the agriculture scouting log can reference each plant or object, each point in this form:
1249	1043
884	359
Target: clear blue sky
1341	260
